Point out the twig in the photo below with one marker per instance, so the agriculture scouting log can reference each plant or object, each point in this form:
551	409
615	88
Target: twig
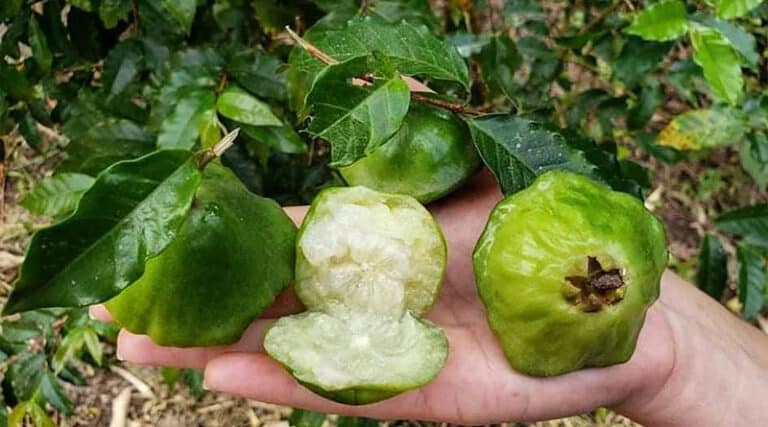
120	408
137	383
456	108
217	150
600	17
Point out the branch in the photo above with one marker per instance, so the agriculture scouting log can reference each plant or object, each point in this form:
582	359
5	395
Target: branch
217	150
599	18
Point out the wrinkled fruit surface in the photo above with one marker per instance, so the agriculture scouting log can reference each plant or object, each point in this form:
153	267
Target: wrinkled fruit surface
430	156
368	265
233	254
567	269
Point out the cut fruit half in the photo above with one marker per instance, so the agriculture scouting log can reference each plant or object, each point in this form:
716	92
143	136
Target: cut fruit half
357	358
362	250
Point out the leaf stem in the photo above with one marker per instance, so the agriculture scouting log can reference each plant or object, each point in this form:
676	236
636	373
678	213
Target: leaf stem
217	150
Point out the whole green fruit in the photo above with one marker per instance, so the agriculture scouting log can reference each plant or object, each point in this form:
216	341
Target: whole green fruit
368	264
567	269
233	254
430	156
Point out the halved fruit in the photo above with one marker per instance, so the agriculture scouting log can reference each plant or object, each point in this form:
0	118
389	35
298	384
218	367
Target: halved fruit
357	358
363	250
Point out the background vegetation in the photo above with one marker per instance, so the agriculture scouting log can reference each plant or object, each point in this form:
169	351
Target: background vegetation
668	98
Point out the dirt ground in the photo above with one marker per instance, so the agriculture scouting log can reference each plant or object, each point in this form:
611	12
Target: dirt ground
686	196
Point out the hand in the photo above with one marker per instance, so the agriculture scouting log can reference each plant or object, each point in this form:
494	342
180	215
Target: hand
477	386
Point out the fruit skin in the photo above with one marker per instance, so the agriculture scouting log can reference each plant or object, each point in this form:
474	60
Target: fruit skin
234	253
430	156
537	237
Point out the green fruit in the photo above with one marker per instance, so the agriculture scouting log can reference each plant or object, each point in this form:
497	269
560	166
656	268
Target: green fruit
233	254
430	156
567	269
368	264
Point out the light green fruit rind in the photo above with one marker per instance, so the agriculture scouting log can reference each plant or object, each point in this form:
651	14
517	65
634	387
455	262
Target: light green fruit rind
357	358
234	253
540	235
429	157
420	240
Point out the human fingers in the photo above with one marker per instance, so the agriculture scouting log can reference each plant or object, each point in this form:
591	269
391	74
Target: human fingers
140	349
99	312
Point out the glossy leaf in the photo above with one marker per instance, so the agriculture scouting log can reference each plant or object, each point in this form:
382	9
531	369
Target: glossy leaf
182	12
208	128
499	60
412	50
241	106
705	128
180	130
103	143
753	280
649	100
112	11
39	44
356	422
57	195
259	73
749	222
55	394
638	58
517	150
25	374
754	158
742	40
16	417
130	214
39	417
721	63
712	267
660	21
13	82
121	67
727	9
361	120
283	139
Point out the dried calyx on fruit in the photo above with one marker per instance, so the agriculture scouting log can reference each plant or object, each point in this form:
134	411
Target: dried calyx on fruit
368	265
567	269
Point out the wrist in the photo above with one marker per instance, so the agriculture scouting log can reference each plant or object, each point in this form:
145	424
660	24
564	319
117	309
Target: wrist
715	368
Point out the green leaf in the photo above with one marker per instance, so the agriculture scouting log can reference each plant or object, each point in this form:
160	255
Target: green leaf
99	145
25	374
742	40
9	8
305	418
28	128
54	394
38	415
39	44
283	139
704	128
754	158
193	378
753	280
182	12
16	417
712	267
412	50
241	106
355	119
649	100
727	9
517	150
750	222
15	83
93	345
259	73
86	5
180	129
130	214
499	60
68	348
112	11
660	21
356	422
208	128
170	376
57	195
121	67
721	63
638	58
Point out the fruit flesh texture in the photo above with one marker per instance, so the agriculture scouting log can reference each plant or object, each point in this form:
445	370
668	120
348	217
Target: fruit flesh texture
234	253
430	156
368	264
369	251
539	237
358	358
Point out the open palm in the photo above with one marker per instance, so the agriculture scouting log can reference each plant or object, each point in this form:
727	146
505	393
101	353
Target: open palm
476	385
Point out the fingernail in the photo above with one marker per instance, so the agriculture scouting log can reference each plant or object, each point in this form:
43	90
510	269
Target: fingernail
90	314
118	355
205	386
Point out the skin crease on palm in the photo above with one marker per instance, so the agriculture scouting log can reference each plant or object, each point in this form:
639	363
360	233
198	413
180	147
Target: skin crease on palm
695	363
